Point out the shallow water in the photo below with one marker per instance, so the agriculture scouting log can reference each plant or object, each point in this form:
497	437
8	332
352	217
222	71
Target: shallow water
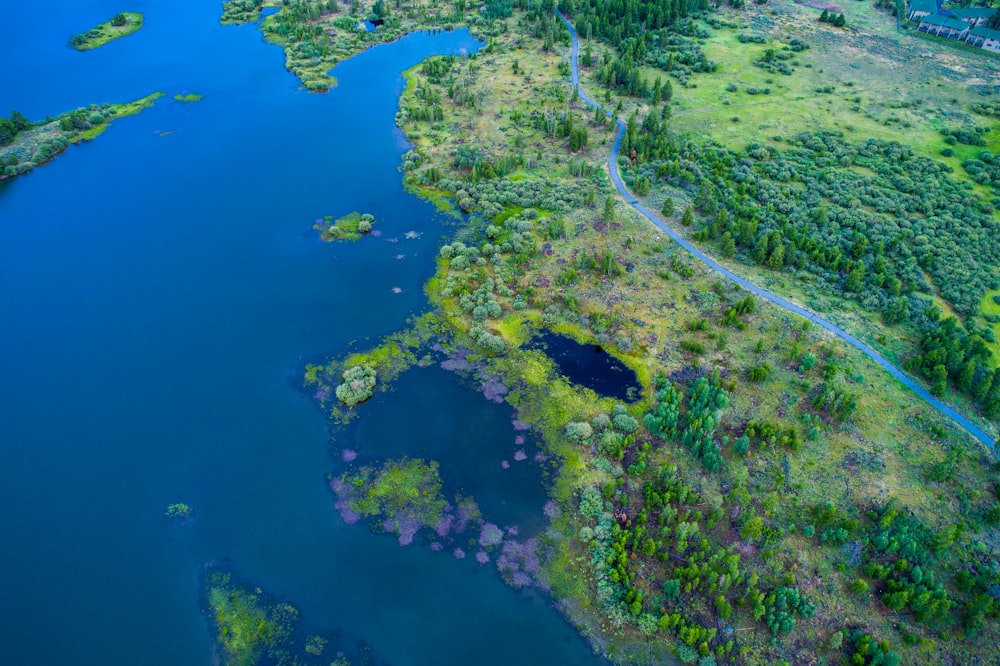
161	289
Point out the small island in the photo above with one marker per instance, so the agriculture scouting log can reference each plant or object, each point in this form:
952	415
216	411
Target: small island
349	227
25	144
120	25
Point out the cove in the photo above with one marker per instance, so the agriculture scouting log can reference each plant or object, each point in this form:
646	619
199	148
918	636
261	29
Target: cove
162	288
589	365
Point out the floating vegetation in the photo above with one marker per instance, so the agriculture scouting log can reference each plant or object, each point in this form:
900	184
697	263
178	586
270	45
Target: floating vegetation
252	628
178	510
405	495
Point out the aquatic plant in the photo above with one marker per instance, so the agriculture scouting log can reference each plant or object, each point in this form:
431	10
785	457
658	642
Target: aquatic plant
490	535
404	494
248	626
178	510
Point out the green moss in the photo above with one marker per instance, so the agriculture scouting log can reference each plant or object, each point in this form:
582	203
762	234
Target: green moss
121	25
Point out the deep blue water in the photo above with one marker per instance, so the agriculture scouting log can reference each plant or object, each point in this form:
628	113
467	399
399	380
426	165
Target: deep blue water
159	295
589	366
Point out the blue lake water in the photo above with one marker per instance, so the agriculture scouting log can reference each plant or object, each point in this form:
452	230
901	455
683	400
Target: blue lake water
161	288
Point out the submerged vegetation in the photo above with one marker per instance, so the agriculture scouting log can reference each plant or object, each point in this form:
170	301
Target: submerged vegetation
252	628
774	497
25	145
120	25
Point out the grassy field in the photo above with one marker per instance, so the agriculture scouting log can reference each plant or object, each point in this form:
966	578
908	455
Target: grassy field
876	83
652	306
121	25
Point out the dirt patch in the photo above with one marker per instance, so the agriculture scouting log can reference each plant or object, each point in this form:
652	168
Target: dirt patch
819	4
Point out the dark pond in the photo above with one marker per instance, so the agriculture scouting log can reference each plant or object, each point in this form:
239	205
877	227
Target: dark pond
161	287
589	366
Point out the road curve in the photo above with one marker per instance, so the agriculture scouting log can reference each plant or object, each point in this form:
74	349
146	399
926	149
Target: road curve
941	407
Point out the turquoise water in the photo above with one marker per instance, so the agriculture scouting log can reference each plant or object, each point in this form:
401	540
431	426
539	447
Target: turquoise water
160	295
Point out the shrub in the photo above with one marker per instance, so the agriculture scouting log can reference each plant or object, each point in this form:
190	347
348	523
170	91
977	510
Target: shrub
579	432
625	423
359	383
858	586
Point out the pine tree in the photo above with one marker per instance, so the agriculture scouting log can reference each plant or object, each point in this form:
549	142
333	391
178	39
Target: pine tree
668	207
609	210
688	218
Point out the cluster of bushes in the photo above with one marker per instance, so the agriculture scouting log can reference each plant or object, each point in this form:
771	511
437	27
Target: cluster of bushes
11	127
984	169
695	427
775	62
871	237
616	22
833	18
358	385
951	351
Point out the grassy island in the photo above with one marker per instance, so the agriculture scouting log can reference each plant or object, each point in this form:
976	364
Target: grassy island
120	25
774	497
25	144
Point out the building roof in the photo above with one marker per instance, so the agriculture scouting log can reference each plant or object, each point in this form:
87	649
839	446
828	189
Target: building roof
929	6
944	21
986	33
973	12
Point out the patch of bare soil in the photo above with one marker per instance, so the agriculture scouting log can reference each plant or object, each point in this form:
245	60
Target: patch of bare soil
818	4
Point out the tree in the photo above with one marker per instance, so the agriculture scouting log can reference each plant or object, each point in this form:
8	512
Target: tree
855	280
688	218
609	209
859	586
20	122
7	131
727	246
668	207
753	529
119	20
939	379
777	258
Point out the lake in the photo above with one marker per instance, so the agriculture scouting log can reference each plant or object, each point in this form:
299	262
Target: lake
162	288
